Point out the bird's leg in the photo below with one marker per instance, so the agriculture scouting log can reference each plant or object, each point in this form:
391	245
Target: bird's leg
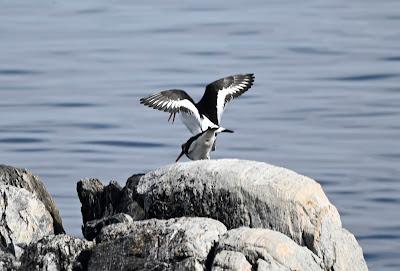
173	119
170	116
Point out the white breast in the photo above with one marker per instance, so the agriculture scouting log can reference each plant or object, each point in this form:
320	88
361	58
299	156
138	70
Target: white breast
200	149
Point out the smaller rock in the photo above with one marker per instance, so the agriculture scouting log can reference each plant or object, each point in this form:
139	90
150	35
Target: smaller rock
276	250
57	252
174	244
98	201
270	266
92	228
131	202
8	262
23	219
231	260
22	178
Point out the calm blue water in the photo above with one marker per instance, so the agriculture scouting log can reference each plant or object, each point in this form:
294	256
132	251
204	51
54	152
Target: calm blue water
326	102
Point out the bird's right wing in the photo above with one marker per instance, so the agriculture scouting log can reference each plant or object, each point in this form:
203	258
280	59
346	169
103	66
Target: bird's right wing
221	91
172	101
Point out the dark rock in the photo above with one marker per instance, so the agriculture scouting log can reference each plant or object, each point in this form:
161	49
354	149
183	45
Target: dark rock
22	178
98	201
8	262
92	228
57	252
131	202
105	205
175	244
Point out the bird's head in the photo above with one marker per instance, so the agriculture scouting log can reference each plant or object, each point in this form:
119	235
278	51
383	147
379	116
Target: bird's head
183	147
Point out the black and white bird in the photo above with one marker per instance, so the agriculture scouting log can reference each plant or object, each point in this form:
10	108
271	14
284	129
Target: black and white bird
198	147
198	117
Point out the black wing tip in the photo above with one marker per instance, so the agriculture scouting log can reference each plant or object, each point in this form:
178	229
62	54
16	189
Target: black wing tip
251	76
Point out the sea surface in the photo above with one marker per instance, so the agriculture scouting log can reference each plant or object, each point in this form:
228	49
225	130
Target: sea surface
326	99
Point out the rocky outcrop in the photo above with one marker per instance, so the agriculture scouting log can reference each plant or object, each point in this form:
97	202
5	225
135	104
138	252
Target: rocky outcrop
105	205
202	215
253	194
98	201
175	244
57	252
22	178
23	219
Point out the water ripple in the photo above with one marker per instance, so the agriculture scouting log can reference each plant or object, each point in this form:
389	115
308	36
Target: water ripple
69	104
206	53
21	140
391	58
385	200
94	126
379	236
11	72
121	143
91	11
170	30
244	33
314	51
30	150
366	77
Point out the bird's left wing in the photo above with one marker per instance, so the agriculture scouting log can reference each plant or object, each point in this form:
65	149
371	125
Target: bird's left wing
172	101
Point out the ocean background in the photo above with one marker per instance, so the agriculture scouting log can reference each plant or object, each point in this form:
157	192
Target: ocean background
326	99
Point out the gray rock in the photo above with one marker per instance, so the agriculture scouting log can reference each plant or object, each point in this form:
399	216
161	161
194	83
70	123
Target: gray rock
98	201
25	179
267	250
175	244
227	260
105	205
254	194
341	251
131	203
57	252
270	266
23	219
92	228
8	262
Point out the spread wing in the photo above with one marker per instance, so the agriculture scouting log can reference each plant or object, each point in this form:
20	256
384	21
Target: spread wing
172	101
219	92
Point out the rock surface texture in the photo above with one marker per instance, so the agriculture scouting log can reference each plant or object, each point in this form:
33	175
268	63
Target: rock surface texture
257	195
22	178
105	205
23	219
203	215
174	244
57	252
262	248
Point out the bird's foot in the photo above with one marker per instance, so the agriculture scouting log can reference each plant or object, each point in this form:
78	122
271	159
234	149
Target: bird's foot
173	118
